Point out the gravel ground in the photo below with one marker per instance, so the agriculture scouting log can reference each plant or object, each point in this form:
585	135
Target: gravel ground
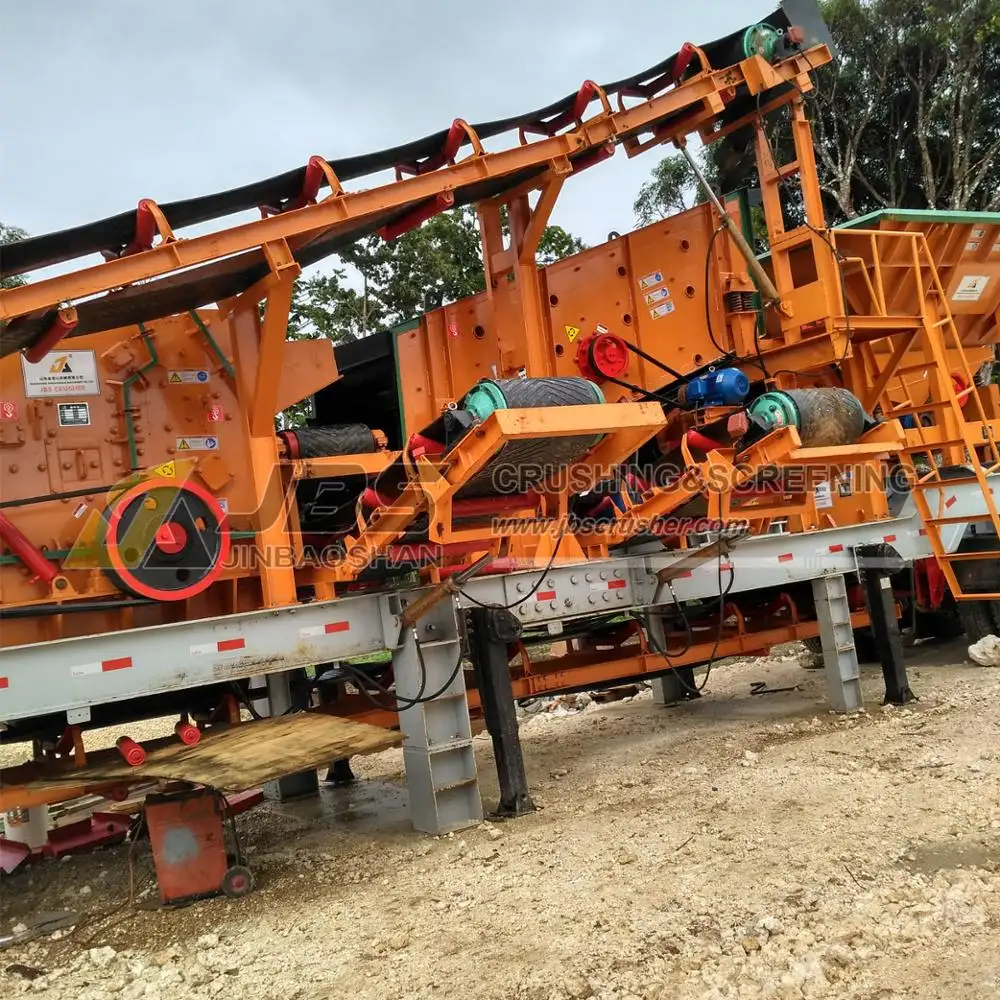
737	847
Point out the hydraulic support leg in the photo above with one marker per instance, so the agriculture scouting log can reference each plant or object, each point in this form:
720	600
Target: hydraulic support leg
279	700
840	660
492	630
876	563
434	718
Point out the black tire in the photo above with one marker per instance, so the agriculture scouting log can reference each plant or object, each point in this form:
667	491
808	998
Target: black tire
864	646
941	624
237	881
978	618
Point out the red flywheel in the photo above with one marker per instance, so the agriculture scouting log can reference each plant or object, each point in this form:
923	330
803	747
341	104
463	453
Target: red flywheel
165	540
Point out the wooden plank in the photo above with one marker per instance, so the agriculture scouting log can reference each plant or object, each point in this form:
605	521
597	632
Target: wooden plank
243	756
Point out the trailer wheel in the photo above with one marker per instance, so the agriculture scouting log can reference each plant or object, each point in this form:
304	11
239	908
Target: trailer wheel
864	646
979	618
237	881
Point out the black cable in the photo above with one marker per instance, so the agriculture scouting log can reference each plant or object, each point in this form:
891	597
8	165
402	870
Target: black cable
839	261
538	582
401	704
723	594
75	607
708	304
635	349
70	495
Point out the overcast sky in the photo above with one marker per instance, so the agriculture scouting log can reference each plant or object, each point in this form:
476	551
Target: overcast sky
109	101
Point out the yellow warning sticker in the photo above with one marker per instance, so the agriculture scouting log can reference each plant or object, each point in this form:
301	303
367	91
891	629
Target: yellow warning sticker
175	378
572	332
168	470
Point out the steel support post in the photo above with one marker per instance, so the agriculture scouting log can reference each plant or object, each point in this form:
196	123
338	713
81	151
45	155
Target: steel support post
877	562
676	685
492	630
279	701
440	762
840	660
668	688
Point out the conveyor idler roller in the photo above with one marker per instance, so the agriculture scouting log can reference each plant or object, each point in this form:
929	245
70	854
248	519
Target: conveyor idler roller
321	442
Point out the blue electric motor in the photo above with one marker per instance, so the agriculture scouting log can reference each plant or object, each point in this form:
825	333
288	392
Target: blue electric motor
723	387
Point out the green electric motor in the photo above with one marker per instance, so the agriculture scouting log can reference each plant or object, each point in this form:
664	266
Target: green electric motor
761	40
824	417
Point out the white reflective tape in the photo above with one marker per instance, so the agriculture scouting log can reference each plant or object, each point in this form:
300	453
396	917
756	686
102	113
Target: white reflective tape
82	669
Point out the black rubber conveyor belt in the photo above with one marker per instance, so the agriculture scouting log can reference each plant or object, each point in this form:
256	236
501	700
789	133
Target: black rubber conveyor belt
219	279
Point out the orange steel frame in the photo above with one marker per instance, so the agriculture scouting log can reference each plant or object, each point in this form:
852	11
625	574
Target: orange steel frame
811	329
903	323
257	342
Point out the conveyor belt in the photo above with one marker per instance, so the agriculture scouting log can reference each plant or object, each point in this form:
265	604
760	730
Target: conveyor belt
206	284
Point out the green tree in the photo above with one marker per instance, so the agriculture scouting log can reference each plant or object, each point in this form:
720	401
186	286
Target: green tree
673	187
556	243
907	116
324	305
11	234
438	262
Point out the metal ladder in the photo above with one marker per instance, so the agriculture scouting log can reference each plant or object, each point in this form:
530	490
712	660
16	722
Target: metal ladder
962	440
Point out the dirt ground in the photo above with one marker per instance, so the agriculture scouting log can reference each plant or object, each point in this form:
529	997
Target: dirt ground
742	846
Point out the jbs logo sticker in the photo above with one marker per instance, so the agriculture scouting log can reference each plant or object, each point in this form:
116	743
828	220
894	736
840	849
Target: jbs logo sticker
61	373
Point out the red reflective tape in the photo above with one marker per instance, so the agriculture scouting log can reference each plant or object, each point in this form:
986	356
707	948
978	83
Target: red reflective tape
227	644
122	663
616	585
888	538
336	627
4	682
726	567
546	595
787	557
836	548
684	575
950	501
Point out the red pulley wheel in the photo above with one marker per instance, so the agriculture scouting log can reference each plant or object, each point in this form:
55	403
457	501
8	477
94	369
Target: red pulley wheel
602	356
165	540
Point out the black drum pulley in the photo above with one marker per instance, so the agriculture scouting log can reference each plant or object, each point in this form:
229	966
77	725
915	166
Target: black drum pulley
165	540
